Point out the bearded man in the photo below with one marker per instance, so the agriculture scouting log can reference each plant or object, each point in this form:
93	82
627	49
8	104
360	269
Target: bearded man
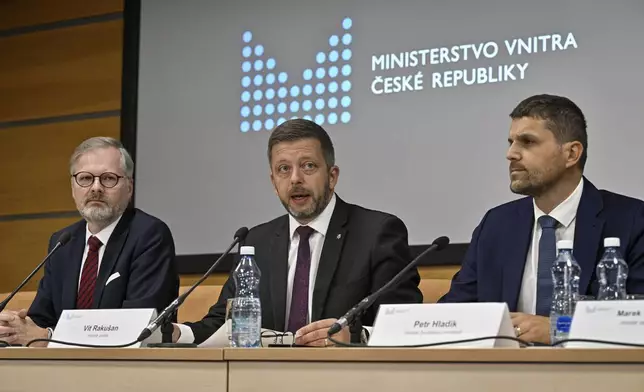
321	258
512	250
118	257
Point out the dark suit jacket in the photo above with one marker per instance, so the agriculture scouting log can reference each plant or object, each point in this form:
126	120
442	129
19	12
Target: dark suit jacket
493	267
363	249
141	250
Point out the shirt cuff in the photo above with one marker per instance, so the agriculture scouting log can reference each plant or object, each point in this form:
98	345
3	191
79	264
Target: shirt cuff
187	336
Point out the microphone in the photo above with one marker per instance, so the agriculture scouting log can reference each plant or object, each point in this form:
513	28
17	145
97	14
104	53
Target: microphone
62	240
439	244
239	237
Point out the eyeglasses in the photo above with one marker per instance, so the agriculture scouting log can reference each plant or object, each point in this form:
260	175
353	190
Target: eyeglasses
107	179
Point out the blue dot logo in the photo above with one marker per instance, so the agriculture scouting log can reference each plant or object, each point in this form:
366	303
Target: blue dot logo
295	106
333	71
270	108
307	74
320	57
333	87
334	56
346	86
246	66
319	73
259	50
247	51
259	65
270	124
345	117
347	23
307	90
307	106
295	91
270	78
247	36
333	40
346	70
245	111
333	103
281	107
257	125
245	96
257	110
270	93
319	104
245	126
345	102
281	120
282	92
258	80
257	95
346	39
346	54
282	77
308	117
245	81
270	63
319	119
319	88
332	118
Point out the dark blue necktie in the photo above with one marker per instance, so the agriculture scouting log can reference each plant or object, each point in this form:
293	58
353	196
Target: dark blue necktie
547	255
299	310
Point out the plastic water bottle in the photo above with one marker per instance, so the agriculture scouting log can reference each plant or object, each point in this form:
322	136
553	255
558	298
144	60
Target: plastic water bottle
247	310
612	272
565	289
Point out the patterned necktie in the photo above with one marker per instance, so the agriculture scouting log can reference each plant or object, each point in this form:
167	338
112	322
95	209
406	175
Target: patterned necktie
85	296
300	294
547	255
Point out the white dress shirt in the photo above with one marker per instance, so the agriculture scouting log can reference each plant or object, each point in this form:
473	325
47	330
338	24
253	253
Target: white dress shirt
316	242
104	236
566	214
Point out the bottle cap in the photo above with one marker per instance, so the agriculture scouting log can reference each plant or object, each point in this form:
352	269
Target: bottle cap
611	242
247	251
564	244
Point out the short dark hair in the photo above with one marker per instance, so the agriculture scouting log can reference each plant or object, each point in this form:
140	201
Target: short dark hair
298	129
561	116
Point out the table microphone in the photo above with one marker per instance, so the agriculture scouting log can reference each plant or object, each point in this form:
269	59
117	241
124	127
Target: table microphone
439	244
62	240
239	237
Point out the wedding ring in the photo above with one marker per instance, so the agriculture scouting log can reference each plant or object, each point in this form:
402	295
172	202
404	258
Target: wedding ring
517	329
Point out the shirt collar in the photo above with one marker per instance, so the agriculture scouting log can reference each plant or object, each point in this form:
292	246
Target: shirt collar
105	234
320	224
566	211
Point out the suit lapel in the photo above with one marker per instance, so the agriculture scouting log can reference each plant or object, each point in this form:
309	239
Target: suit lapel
279	273
518	237
331	252
112	252
588	231
72	256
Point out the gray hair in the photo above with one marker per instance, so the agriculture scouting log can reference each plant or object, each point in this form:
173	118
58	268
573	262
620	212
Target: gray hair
127	165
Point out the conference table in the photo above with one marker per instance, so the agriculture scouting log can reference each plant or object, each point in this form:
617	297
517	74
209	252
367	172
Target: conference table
319	369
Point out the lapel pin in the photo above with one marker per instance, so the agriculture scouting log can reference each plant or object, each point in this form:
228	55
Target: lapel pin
339	236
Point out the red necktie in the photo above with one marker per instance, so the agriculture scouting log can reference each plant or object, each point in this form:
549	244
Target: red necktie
88	278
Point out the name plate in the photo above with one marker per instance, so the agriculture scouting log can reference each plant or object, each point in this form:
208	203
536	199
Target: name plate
104	327
616	321
414	324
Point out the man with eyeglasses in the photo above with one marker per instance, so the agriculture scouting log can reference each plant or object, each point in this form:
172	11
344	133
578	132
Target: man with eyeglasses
118	257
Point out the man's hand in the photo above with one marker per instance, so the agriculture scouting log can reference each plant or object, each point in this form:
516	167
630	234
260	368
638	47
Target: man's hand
176	333
315	334
18	328
531	328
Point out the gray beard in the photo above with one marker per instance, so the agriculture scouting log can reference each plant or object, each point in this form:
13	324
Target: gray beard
317	208
101	216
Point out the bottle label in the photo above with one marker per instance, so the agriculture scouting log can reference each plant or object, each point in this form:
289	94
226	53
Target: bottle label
563	323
